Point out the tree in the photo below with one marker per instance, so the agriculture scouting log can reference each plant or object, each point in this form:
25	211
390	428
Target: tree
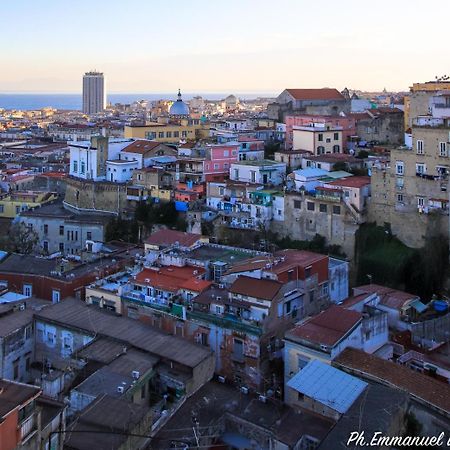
341	165
21	239
362	154
270	147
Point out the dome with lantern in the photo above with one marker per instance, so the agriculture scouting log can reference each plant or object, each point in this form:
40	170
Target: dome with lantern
179	109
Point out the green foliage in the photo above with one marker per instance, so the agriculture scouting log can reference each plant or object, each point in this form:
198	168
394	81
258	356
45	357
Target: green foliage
391	263
318	244
20	239
146	215
270	147
119	229
340	165
362	154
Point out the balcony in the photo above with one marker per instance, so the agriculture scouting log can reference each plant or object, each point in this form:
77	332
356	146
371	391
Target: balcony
139	298
28	427
227	321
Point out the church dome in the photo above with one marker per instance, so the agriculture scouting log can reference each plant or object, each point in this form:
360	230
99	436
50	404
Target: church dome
179	108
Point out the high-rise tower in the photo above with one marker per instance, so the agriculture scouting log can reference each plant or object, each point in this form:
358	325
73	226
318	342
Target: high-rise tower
94	94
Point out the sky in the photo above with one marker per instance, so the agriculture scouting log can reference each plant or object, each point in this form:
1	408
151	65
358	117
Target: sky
231	46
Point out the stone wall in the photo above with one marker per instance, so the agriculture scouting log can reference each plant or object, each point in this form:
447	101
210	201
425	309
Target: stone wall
303	224
96	196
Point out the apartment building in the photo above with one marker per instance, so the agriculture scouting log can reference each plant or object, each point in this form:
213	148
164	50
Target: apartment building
412	193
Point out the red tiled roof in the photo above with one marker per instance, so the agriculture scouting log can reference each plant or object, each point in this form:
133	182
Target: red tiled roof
253	287
282	261
418	385
316	94
352	182
196	285
165	238
170	278
141	147
391	298
328	327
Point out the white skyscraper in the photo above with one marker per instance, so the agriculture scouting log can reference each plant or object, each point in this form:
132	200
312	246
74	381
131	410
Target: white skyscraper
94	94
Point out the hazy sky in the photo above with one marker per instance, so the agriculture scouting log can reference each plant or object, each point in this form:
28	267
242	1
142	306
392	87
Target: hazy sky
227	46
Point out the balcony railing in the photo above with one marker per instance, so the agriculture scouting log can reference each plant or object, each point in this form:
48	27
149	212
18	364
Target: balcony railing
27	426
226	322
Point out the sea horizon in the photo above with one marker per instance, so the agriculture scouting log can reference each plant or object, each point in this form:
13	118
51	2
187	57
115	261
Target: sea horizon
70	101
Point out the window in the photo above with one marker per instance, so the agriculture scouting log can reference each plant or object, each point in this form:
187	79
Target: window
297	204
419	147
28	290
399	198
226	153
17	209
169	134
253	176
161	134
302	361
399	168
218	310
310	206
336	149
75	166
420	168
325	289
45	246
320	137
28	332
61	247
61	230
56	296
420	202
216	166
184	134
236	174
399	182
176	134
336	209
336	136
83	167
320	150
442	149
238	349
323	208
89	235
2	208
45	228
16	369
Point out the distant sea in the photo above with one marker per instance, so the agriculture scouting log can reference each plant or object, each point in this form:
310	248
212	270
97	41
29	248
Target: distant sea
73	101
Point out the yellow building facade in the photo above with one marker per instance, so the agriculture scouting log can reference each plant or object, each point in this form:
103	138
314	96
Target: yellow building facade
168	133
13	204
417	103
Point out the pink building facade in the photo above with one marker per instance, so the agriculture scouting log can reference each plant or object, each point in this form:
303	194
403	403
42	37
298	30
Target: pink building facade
218	162
348	125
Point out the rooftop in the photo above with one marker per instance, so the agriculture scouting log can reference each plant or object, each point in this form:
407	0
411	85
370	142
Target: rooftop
122	416
352	182
259	163
327	385
421	387
389	297
327	328
14	394
256	288
141	146
316	94
214	401
76	314
166	238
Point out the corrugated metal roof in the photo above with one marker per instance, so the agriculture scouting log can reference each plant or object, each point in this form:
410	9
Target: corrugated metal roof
327	385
